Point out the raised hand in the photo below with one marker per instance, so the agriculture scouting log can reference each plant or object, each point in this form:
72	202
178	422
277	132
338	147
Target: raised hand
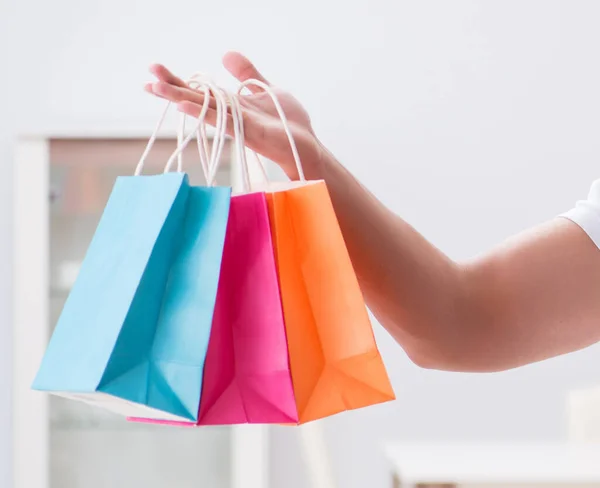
263	128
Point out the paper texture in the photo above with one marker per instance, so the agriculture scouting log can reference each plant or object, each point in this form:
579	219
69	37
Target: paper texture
334	359
247	375
137	322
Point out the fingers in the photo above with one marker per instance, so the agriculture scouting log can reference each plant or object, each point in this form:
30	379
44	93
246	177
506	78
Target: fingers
253	131
178	94
243	69
190	100
164	75
149	88
194	110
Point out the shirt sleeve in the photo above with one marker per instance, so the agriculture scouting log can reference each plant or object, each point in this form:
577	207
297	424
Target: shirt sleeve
586	213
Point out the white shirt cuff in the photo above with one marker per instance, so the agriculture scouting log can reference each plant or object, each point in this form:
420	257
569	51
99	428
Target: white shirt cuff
586	215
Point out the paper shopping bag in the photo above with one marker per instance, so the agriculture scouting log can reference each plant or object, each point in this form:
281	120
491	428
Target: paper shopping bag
134	331
247	376
334	359
247	373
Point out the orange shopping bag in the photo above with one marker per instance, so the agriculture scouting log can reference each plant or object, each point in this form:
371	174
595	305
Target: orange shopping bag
335	363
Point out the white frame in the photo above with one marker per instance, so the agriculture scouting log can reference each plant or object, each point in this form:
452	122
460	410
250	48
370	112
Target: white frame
30	326
30	302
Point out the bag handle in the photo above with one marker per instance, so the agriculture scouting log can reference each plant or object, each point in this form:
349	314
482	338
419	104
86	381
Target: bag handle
201	141
224	101
240	142
284	122
199	81
177	154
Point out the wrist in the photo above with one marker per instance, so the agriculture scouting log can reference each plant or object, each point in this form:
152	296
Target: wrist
313	157
315	166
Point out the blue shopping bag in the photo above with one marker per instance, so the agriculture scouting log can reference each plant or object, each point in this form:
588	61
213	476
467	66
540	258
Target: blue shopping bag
134	331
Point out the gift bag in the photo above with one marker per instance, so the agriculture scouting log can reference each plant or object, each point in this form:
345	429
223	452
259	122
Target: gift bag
334	359
247	373
134	331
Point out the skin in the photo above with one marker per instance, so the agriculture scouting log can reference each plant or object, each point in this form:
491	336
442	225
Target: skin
533	297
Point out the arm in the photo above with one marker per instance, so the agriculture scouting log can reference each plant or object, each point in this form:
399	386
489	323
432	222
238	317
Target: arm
534	297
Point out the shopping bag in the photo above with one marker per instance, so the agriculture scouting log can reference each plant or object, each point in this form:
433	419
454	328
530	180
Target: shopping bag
247	375
134	331
335	362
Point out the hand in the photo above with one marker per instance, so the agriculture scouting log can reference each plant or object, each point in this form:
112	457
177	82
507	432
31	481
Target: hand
262	126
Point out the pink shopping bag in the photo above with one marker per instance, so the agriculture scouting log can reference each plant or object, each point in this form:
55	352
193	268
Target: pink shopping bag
247	376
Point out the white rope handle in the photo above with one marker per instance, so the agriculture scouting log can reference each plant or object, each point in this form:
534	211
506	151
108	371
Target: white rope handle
201	83
284	121
223	100
201	141
200	79
181	147
196	82
181	143
240	141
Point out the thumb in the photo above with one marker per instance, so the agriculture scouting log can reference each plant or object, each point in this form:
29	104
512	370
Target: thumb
243	69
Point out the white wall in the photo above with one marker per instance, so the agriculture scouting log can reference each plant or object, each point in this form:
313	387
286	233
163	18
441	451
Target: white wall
482	118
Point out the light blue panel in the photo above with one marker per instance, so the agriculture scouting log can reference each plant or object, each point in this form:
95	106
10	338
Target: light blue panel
183	331
175	361
111	274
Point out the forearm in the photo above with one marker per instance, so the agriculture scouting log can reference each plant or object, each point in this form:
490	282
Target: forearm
532	298
413	289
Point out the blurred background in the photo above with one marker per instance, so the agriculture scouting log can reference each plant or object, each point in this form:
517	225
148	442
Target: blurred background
472	120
